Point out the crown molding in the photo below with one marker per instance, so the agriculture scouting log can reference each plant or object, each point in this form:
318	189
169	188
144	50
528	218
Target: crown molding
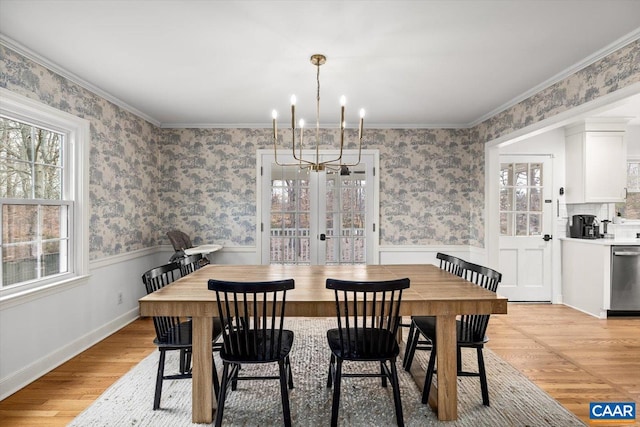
607	50
270	125
52	66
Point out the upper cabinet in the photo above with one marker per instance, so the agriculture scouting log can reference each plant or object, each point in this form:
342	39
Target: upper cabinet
596	154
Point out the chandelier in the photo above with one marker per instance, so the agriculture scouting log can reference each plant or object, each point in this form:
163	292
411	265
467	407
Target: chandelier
297	135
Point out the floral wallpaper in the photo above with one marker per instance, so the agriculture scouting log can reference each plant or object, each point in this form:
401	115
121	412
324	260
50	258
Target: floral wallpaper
145	180
123	161
208	178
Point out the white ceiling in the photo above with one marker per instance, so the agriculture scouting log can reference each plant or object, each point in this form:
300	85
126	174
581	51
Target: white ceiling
410	64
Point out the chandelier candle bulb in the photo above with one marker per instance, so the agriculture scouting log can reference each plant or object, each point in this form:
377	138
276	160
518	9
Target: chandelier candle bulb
274	115
301	125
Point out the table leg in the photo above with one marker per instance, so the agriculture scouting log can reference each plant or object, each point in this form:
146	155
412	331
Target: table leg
447	368
201	387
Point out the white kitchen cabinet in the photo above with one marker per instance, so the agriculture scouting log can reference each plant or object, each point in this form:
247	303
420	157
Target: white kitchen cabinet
586	276
596	155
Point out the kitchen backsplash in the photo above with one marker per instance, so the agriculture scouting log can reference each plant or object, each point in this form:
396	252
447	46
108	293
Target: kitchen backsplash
625	230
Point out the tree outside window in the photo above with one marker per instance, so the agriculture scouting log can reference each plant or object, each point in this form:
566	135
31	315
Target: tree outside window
35	216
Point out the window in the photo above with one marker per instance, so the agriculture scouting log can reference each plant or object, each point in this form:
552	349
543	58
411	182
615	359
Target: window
633	176
630	208
521	204
43	185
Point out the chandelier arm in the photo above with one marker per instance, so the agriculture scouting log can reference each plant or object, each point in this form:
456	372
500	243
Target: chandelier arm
318	63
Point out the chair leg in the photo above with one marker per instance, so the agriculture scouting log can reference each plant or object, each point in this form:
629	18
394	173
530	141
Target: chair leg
158	394
284	392
483	378
336	393
459	358
182	361
396	394
411	350
234	380
383	375
289	372
216	382
407	350
222	393
429	376
188	362
331	371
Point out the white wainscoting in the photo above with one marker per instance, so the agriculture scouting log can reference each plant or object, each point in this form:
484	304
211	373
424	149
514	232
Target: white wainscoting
427	254
42	330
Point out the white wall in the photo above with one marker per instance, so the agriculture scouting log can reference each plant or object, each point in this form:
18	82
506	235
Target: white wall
633	141
42	330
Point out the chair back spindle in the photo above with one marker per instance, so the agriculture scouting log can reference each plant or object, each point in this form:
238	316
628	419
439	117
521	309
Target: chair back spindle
253	315
474	327
452	264
368	315
191	263
156	279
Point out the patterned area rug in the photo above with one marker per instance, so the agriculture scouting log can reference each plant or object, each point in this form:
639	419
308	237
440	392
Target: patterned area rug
515	401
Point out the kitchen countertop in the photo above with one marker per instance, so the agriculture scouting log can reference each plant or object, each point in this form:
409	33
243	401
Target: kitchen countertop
605	242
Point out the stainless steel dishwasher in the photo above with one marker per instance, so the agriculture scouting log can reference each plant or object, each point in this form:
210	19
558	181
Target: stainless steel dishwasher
625	280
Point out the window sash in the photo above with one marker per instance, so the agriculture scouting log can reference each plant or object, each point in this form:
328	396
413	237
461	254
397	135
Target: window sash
48	256
74	195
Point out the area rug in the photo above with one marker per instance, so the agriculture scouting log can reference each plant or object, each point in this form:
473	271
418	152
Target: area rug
515	401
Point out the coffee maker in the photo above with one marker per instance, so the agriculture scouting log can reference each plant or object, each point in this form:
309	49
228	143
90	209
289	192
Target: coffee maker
584	227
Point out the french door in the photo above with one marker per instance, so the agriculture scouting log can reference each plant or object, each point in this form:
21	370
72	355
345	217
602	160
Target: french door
325	217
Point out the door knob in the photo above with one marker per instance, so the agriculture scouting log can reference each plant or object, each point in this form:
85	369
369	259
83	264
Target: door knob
547	237
323	237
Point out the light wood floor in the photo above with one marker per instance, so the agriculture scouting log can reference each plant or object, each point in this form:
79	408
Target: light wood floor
575	358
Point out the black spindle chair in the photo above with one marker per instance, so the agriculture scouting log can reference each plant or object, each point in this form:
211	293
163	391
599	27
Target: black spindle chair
253	315
448	263
368	318
173	333
191	263
470	331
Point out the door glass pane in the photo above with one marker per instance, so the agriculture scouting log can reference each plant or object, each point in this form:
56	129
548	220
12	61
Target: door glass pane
346	209
506	224
535	175
506	199
535	199
506	174
521	173
521	199
535	224
289	216
521	224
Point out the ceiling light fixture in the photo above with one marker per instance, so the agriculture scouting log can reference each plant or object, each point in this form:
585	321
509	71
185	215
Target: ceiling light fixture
315	165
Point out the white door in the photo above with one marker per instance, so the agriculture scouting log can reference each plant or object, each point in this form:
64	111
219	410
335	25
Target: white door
322	217
526	210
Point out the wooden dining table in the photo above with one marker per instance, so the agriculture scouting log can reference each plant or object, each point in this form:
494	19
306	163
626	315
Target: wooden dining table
432	292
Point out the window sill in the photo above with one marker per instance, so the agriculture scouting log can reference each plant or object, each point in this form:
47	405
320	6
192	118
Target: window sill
22	297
